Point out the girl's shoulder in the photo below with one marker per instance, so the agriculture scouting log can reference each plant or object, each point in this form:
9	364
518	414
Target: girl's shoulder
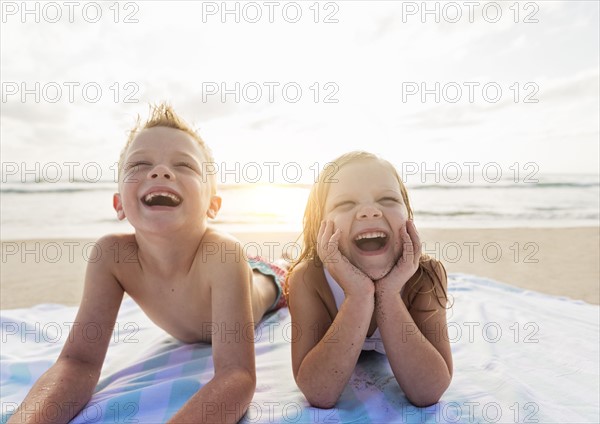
308	278
307	284
307	273
429	282
433	268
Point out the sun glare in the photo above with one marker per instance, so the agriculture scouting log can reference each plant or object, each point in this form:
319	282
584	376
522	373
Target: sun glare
266	205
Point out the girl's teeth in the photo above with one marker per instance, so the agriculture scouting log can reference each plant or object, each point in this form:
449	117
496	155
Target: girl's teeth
375	234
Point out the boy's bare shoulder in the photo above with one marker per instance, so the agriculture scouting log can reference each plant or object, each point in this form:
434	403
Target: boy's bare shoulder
116	238
215	236
221	254
115	248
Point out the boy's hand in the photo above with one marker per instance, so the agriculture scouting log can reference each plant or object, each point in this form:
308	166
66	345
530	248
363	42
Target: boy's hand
407	264
352	280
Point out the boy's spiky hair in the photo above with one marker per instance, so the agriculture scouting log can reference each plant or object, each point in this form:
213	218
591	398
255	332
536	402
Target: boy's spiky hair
163	115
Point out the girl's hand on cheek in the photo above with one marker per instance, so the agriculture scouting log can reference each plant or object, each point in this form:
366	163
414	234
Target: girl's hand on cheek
352	280
407	264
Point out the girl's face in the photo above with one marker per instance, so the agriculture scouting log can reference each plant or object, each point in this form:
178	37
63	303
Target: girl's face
366	203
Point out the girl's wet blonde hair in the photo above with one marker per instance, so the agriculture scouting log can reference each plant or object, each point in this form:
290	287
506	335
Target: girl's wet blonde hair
315	211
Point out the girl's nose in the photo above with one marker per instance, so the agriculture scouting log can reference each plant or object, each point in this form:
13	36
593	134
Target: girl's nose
368	212
161	171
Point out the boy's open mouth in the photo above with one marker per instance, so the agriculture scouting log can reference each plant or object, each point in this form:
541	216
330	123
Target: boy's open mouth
371	241
161	198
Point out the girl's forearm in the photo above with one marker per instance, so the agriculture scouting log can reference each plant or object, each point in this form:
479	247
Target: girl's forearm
327	368
419	368
59	394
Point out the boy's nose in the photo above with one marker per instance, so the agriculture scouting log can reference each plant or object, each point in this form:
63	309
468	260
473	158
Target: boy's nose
367	212
161	171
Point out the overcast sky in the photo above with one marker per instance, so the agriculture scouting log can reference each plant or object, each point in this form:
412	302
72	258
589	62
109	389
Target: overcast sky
307	91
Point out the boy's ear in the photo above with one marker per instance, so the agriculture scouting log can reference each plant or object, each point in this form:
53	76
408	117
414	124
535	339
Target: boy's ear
118	206
214	206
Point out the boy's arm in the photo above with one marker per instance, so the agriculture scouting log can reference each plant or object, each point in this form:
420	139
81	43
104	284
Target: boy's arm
227	396
417	343
324	353
62	391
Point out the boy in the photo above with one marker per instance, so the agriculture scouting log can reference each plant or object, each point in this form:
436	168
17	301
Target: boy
170	268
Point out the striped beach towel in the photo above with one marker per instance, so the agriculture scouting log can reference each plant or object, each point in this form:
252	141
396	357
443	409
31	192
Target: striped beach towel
519	356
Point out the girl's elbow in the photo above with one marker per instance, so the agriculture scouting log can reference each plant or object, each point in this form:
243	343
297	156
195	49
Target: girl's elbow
321	402
250	377
316	398
424	402
428	398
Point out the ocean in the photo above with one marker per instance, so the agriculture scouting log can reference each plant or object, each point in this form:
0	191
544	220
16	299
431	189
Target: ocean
80	209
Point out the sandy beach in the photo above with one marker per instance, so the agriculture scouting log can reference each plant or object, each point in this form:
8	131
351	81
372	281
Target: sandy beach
557	261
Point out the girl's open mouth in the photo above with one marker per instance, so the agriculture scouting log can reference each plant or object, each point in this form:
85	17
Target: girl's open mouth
371	241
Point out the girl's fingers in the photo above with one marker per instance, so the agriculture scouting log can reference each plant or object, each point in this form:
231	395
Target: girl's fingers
325	235
412	231
336	236
416	240
321	231
321	235
407	244
322	241
332	241
332	246
328	242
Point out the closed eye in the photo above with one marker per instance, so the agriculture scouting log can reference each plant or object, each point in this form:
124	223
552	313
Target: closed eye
344	204
137	164
389	199
190	166
186	165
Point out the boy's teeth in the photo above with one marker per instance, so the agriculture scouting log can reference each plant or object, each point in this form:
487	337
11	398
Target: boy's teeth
162	198
151	196
374	234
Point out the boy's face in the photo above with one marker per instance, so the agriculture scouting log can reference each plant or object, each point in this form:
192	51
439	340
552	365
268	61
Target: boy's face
367	205
162	185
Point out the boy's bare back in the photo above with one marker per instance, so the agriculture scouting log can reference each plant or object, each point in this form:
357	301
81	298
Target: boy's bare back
180	301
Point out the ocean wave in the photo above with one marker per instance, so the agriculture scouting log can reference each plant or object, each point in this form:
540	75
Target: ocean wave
424	213
504	185
34	190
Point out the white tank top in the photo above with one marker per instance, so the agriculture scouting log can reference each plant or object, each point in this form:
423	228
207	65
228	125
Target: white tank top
371	343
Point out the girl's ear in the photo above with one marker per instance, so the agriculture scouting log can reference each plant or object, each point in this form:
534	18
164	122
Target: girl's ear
118	206
213	207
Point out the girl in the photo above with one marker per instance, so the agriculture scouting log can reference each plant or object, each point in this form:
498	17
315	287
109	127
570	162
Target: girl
361	283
